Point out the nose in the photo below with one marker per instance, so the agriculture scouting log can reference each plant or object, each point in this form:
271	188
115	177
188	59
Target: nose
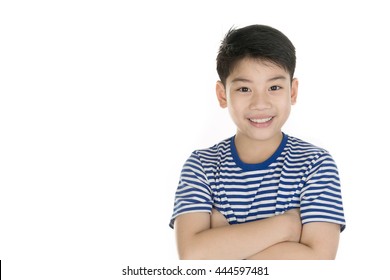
260	101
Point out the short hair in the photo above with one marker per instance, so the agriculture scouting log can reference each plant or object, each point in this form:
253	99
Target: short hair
258	42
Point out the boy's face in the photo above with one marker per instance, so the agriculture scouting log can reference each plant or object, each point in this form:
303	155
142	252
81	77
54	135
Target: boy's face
259	96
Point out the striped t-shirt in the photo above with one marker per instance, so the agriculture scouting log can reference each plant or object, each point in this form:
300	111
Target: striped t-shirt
298	174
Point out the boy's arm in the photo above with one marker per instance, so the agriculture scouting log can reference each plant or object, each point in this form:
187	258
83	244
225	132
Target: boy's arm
196	239
320	196
319	241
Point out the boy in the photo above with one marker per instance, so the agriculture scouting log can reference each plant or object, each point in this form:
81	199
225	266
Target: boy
260	194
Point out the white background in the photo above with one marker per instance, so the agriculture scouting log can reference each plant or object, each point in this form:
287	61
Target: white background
101	102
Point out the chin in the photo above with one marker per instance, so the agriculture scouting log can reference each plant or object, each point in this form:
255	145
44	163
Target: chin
265	136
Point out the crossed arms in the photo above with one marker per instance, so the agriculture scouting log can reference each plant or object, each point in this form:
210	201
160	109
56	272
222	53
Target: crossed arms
204	236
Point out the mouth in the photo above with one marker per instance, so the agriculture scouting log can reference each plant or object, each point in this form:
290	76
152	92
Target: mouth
263	120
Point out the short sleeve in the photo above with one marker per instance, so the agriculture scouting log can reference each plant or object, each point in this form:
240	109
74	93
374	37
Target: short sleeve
193	193
321	199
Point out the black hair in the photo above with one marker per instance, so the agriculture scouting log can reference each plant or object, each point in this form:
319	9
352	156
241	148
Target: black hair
255	41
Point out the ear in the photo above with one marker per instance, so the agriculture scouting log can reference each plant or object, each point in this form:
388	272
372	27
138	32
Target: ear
294	91
221	94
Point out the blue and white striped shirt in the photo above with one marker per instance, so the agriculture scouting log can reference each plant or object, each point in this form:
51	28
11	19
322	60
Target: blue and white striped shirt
298	174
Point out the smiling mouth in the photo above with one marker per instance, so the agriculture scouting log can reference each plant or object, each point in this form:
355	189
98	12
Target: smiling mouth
261	120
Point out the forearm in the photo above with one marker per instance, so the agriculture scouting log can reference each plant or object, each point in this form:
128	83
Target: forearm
319	241
238	241
286	251
293	251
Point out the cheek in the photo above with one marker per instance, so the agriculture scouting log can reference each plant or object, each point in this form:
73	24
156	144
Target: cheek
236	110
285	107
233	111
235	107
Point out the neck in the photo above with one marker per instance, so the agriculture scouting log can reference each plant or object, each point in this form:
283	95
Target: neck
253	151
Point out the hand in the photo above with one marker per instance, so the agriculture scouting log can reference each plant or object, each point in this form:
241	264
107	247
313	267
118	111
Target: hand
217	219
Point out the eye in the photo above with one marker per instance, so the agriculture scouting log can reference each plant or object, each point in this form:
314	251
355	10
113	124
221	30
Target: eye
274	88
244	90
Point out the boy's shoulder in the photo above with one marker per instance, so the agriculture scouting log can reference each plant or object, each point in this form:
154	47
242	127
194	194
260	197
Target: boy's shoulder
304	146
222	148
303	152
299	146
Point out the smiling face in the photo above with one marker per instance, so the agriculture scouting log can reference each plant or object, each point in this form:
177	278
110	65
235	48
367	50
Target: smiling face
259	96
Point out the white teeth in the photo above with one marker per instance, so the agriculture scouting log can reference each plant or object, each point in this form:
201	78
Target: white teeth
260	120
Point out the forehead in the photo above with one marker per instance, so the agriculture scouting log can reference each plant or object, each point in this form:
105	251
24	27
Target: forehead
254	67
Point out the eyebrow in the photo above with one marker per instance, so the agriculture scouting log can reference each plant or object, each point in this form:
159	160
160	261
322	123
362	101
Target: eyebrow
280	77
239	79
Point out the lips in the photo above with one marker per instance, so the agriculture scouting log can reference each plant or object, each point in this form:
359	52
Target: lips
260	120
